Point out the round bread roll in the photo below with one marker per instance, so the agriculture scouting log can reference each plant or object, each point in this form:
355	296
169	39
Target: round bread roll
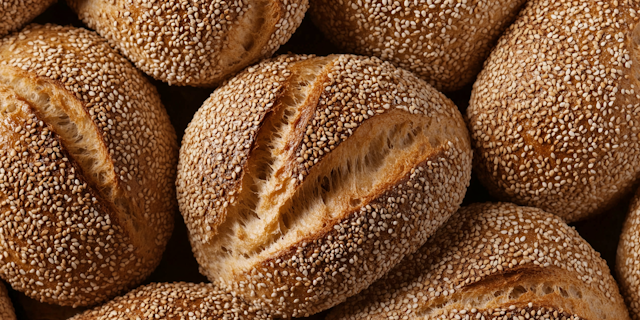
443	42
88	161
627	264
304	179
196	43
555	115
495	261
15	13
175	301
6	307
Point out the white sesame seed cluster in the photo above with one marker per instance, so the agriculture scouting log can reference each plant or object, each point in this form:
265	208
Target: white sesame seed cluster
495	261
196	43
6	308
303	179
554	114
444	42
16	13
88	166
175	301
627	265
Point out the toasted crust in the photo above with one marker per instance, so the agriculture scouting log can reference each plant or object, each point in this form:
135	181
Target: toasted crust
627	266
16	13
88	165
304	179
6	307
175	301
554	114
445	42
490	261
197	43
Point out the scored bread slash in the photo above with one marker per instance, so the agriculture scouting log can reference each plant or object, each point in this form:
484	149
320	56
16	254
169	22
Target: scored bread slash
495	261
304	179
88	161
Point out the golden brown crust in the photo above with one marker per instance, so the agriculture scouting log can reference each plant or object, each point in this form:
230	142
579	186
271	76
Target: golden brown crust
627	259
296	170
16	13
554	114
491	260
175	301
95	202
6	307
198	43
444	42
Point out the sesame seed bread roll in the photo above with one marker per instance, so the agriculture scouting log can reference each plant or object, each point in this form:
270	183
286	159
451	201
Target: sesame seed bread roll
443	42
495	261
195	42
304	179
6	307
627	265
175	301
554	116
16	13
88	161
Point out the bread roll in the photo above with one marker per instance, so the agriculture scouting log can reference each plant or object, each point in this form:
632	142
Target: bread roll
196	43
555	114
88	161
627	264
175	301
6	308
304	179
495	261
15	13
443	42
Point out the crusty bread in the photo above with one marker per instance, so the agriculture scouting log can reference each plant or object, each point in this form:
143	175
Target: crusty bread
88	167
6	307
175	301
628	259
304	179
555	114
444	42
197	43
495	261
16	13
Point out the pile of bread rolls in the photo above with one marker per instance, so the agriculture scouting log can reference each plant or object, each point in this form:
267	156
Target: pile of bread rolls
199	159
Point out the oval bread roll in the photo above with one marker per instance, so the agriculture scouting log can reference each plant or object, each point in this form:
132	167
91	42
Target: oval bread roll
443	42
627	265
16	13
196	43
495	261
304	179
6	307
88	161
555	114
175	301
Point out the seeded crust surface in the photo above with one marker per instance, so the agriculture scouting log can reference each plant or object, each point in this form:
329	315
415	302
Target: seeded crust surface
16	13
554	116
443	42
175	301
304	179
627	266
6	307
197	42
495	261
88	161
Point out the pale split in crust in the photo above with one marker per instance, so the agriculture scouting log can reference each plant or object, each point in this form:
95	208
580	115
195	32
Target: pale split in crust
495	261
304	179
88	161
175	301
443	42
627	265
555	114
196	42
16	13
6	307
